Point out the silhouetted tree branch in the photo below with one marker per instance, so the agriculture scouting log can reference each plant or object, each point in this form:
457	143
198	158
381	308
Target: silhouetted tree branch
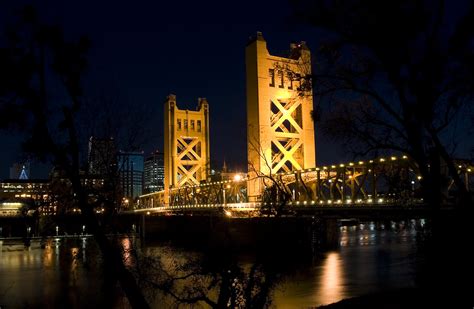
34	54
396	78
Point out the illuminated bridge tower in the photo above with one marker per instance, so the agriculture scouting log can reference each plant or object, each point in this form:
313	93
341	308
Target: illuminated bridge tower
280	130
186	144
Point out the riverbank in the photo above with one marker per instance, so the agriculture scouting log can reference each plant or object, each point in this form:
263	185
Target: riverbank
403	298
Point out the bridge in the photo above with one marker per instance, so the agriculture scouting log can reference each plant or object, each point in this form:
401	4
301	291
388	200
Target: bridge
378	184
281	155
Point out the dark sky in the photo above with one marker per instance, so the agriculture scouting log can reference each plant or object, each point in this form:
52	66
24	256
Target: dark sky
148	49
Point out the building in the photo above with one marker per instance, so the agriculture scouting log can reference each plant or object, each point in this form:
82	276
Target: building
33	192
154	173
102	157
186	144
280	130
20	171
130	169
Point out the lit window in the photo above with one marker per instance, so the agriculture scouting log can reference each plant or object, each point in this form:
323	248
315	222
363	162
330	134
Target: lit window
192	125
179	124
185	124
199	125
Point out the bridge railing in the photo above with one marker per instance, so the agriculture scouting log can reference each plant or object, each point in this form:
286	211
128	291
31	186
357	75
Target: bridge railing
382	181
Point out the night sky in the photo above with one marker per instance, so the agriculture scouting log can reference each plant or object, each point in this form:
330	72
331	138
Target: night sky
147	50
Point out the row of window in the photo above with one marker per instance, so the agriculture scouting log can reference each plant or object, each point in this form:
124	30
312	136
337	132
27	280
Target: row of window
290	78
192	127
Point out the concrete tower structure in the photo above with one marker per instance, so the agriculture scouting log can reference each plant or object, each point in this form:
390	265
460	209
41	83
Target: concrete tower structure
280	130
186	144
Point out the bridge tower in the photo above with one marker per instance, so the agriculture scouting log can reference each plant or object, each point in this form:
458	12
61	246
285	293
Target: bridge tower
280	130
186	144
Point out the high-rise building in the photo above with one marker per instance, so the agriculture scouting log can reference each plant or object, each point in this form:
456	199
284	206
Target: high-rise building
154	173
130	167
20	171
102	156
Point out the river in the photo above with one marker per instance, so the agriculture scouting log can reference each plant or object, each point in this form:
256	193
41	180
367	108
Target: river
371	257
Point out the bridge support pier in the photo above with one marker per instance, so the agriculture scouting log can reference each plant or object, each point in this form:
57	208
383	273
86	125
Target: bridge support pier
325	233
331	233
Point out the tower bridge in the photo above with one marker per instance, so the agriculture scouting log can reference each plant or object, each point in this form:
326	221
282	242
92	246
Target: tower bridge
281	153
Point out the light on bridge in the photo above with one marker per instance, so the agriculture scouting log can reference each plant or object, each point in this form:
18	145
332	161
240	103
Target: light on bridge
369	200
380	200
237	177
228	213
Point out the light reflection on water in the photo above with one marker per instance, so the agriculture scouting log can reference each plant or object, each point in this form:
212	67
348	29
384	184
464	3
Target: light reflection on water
372	257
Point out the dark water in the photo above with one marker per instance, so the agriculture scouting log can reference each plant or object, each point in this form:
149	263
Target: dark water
67	273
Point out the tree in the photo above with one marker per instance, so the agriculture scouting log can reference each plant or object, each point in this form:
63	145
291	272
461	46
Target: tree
33	57
275	194
398	76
